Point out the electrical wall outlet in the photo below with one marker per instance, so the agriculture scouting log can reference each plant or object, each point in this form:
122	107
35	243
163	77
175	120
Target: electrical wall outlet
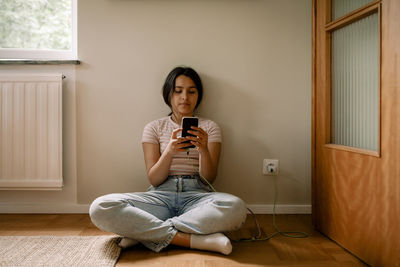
270	167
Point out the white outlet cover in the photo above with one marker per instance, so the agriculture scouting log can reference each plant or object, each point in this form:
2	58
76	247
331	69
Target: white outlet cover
267	162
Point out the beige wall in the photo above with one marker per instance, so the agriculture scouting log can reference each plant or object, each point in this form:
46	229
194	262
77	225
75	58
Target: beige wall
254	58
255	62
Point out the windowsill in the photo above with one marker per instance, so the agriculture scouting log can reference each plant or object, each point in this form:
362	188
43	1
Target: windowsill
38	62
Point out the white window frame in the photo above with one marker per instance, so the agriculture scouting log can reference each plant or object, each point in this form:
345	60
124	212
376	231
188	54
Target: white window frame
42	54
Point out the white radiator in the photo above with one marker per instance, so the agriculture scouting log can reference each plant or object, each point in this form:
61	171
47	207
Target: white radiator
31	132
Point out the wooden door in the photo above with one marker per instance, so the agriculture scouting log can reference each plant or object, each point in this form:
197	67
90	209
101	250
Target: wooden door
356	192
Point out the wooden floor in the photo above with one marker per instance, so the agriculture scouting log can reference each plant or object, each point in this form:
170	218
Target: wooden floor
316	250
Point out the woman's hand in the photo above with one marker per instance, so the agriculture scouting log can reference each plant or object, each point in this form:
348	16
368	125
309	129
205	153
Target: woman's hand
201	139
175	144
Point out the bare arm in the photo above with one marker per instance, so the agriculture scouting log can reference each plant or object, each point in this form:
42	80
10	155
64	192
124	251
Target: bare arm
209	153
208	162
157	166
157	169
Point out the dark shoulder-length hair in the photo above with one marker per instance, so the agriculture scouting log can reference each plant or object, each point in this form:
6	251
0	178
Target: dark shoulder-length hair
169	85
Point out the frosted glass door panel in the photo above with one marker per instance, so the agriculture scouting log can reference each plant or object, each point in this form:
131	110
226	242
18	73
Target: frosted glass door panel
343	7
355	84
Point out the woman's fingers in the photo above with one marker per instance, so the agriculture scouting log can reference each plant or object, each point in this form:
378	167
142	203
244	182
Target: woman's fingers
198	132
175	133
200	139
182	145
193	138
179	143
181	139
201	136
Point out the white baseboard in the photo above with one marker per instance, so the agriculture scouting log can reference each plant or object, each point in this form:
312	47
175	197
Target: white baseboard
43	208
280	209
84	208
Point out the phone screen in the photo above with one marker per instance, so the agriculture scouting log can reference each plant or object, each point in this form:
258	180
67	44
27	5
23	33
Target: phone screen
187	122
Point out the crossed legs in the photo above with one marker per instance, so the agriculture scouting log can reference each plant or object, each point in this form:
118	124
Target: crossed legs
146	217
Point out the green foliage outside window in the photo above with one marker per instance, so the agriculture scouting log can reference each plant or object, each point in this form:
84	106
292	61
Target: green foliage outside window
35	24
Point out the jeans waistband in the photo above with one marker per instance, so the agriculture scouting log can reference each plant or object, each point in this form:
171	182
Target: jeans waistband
194	176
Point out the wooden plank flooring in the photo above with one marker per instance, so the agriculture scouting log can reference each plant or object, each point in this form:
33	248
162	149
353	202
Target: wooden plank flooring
316	250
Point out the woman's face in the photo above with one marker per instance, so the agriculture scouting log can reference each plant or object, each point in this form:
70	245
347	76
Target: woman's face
184	96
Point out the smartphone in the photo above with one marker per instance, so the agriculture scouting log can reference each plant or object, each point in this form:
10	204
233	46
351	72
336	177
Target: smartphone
188	122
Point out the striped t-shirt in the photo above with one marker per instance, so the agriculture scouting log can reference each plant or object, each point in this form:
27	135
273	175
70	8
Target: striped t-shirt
160	132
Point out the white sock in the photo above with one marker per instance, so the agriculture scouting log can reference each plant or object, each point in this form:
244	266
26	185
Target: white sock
127	242
215	242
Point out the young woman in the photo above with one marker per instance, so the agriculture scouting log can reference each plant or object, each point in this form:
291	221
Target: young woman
178	208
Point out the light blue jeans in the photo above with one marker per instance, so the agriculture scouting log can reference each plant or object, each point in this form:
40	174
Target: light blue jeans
181	203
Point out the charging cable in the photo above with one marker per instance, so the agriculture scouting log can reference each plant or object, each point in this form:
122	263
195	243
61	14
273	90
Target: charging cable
258	237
